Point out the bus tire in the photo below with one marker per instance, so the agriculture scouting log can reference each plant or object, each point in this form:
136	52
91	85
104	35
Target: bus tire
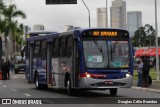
16	71
37	84
113	91
69	89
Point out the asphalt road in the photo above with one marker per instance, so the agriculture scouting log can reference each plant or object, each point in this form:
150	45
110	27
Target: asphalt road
18	87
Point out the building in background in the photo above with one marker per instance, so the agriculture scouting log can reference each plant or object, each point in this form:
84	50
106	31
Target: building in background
26	30
102	21
38	27
134	21
118	14
70	27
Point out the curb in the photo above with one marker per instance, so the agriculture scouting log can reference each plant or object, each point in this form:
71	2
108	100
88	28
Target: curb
146	89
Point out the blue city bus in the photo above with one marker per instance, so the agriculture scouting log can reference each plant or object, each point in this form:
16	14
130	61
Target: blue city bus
0	51
82	59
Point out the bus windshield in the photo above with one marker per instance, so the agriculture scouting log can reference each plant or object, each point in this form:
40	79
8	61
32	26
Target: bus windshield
106	54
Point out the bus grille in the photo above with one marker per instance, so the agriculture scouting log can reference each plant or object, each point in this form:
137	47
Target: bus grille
103	84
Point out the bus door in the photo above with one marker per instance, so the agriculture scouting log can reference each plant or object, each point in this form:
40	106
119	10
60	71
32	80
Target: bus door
75	67
49	65
30	73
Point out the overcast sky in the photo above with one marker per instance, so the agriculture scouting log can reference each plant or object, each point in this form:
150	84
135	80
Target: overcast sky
54	17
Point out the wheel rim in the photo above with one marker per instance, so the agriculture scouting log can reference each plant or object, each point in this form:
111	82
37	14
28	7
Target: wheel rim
68	85
37	82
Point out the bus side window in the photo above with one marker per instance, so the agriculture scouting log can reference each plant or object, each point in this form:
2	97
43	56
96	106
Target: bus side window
36	49
43	49
27	50
69	46
55	49
62	47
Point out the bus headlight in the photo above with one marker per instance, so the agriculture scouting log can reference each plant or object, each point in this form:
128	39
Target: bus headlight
127	75
88	75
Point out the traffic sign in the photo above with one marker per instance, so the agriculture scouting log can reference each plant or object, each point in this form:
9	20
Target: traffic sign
61	2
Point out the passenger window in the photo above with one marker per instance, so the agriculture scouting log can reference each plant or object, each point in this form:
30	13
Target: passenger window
69	46
36	52
63	47
55	52
27	50
43	49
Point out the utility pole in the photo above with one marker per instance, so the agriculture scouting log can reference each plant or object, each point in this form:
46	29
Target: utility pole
106	14
156	40
88	13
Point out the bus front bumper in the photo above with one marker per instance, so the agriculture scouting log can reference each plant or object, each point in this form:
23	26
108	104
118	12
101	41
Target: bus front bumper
90	83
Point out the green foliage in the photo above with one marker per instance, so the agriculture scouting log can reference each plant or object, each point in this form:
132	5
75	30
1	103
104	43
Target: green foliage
144	36
9	13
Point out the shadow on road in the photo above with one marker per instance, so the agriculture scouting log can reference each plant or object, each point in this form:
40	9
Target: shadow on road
81	93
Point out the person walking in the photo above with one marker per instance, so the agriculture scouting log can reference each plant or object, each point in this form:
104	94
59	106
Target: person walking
3	70
12	66
7	69
145	71
139	69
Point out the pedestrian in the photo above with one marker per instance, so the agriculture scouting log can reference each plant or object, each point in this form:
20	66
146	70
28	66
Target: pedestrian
139	69
7	66
3	70
145	71
12	66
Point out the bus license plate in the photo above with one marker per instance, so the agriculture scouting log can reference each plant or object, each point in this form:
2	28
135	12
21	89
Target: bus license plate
108	82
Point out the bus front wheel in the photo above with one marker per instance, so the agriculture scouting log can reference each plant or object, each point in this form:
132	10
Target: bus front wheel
113	91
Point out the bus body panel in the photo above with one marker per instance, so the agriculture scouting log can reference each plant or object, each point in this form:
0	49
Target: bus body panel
89	83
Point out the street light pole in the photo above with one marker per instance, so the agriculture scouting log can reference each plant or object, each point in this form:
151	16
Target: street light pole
106	15
88	13
156	40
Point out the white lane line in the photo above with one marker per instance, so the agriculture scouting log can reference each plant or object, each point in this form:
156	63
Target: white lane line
47	101
15	77
13	90
4	86
27	94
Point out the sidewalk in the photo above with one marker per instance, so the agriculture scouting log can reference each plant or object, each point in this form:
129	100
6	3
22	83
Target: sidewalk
155	87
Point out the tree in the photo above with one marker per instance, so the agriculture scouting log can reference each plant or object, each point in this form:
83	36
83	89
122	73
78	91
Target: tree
10	13
18	32
2	25
137	39
1	21
144	36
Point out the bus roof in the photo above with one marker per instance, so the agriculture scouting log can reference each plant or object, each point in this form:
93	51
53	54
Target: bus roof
40	31
55	34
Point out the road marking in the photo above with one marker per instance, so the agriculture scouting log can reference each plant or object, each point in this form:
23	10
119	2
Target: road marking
27	94
47	101
13	90
4	86
15	77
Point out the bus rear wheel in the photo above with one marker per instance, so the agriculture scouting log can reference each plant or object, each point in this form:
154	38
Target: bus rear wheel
37	84
16	71
113	91
70	91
